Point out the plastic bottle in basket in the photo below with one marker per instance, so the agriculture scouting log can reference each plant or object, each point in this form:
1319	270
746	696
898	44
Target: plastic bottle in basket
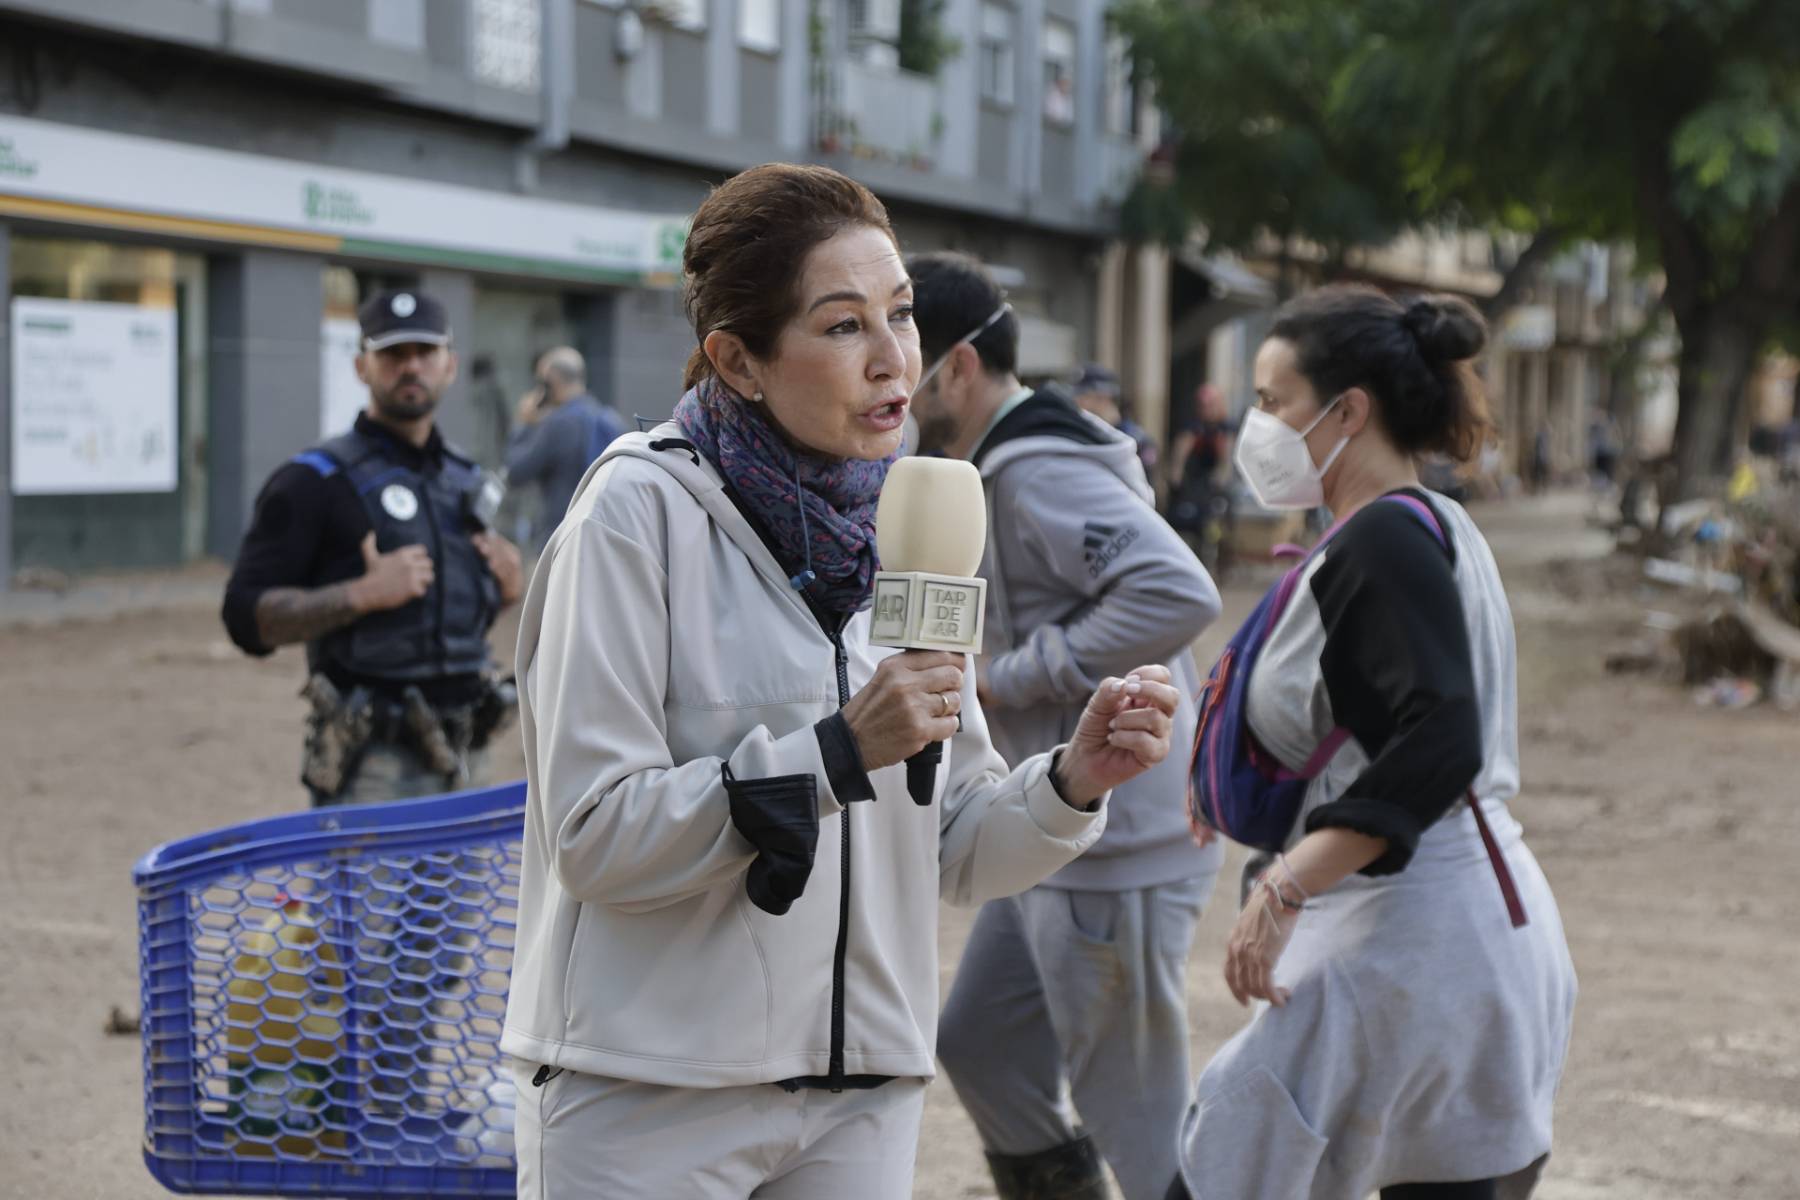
490	1132
286	1036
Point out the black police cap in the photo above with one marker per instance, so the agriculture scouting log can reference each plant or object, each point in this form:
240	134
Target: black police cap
403	316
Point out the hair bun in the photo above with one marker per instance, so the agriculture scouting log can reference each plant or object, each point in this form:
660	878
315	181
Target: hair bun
1447	328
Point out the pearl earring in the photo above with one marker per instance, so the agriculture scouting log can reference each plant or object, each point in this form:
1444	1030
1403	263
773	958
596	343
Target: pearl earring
756	398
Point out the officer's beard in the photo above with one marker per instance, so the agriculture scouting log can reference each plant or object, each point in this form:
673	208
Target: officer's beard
407	400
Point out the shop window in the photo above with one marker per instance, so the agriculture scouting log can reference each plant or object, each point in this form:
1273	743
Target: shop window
108	404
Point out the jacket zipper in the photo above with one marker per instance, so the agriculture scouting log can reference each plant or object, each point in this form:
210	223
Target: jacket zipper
832	625
835	1069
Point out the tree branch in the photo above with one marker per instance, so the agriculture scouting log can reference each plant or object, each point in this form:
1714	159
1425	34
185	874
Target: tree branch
1771	278
1684	257
1543	244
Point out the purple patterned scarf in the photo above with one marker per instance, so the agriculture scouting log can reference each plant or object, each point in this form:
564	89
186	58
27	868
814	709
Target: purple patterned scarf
838	494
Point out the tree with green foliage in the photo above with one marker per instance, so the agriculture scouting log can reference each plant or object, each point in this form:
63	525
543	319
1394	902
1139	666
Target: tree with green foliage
1265	155
923	45
1671	123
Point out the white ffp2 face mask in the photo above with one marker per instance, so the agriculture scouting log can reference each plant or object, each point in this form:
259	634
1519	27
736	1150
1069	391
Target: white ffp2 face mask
1276	463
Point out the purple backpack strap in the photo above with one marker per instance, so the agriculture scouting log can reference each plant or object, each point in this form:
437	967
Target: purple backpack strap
1425	514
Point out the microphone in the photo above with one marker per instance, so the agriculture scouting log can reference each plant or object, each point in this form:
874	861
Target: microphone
930	529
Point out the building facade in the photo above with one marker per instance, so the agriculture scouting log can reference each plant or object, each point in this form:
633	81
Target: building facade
1552	371
196	194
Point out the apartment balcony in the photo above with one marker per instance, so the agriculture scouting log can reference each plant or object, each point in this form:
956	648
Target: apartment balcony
873	111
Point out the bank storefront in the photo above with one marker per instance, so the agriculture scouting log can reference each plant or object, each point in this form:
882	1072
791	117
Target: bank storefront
180	319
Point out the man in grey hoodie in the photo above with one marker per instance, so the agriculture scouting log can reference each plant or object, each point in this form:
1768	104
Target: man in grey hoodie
1069	1002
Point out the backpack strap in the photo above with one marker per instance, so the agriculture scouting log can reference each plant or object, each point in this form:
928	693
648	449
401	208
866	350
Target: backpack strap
1427	515
1334	741
1508	889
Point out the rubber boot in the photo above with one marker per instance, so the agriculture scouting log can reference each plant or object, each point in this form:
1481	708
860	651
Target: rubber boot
1071	1171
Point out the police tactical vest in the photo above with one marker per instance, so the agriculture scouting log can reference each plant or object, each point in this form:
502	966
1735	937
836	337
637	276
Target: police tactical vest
444	632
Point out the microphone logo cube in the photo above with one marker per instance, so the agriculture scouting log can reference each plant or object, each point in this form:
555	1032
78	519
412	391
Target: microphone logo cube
920	611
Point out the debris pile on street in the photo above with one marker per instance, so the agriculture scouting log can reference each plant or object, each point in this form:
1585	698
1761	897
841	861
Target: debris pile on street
1731	575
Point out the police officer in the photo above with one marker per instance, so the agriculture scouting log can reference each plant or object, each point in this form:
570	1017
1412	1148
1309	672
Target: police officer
374	549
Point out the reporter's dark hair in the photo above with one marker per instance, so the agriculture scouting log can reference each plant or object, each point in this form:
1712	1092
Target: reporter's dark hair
747	246
1414	359
952	295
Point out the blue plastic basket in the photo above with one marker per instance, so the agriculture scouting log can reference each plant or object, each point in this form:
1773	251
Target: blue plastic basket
323	995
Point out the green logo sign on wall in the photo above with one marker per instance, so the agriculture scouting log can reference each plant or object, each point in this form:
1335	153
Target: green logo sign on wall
334	205
13	164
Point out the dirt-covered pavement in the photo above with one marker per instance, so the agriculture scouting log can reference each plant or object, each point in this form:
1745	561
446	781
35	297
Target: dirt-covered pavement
1670	833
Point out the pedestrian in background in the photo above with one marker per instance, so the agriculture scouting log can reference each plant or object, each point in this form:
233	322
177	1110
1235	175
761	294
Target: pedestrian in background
1540	458
562	429
1096	390
1073	991
1200	494
374	549
1418	988
493	413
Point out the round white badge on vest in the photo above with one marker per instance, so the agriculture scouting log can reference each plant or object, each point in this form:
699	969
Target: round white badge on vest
404	305
399	502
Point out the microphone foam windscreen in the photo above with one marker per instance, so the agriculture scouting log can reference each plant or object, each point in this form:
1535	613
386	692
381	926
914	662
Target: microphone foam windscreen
932	517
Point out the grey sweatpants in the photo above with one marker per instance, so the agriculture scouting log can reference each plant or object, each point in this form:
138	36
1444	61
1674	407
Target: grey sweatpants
589	1137
1071	1003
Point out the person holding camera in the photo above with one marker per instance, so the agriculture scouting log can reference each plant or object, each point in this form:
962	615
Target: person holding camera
374	548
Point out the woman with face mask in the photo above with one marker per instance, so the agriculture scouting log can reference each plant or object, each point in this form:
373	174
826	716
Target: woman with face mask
726	981
1417	989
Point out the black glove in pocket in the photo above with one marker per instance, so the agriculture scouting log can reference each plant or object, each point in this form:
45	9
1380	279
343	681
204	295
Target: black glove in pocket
780	817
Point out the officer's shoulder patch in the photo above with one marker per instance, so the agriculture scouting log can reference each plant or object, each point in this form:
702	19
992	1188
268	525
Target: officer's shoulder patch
319	461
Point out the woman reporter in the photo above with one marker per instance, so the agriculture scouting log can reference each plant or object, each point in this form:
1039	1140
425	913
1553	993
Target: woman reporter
726	980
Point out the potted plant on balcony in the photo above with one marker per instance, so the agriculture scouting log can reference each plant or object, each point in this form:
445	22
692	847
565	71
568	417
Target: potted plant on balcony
920	158
923	45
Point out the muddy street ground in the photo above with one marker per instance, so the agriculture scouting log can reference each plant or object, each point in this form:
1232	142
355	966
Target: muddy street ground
1669	832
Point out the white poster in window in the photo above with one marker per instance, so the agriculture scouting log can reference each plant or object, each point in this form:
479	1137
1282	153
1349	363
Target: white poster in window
93	398
341	394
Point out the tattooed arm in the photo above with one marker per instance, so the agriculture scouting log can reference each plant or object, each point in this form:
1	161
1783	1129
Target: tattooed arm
288	614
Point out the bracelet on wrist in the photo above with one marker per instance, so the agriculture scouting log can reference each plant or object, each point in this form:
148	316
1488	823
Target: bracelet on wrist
1287	903
1281	860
